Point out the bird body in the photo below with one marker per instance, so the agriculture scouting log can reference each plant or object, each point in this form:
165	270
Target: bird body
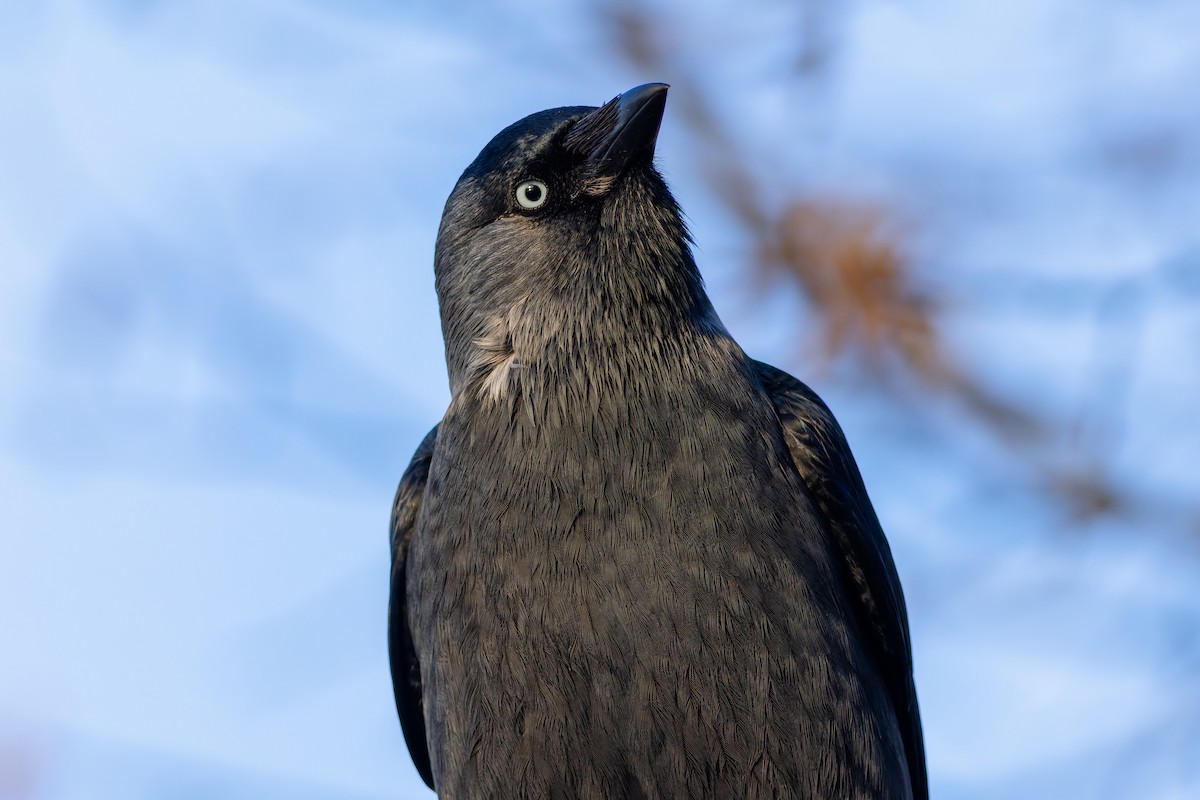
630	561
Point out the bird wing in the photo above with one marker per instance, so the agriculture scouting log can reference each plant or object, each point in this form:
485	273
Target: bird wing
406	670
823	459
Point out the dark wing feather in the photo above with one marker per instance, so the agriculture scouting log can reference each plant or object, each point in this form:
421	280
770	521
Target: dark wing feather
406	670
823	458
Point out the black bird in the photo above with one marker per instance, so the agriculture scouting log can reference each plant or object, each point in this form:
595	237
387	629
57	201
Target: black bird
631	561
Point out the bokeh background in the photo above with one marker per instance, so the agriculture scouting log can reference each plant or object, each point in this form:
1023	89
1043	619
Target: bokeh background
973	227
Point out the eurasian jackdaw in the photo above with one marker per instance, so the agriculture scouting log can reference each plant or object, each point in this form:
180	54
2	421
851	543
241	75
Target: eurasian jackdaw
631	561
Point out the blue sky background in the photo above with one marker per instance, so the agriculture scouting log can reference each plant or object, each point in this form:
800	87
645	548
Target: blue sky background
219	345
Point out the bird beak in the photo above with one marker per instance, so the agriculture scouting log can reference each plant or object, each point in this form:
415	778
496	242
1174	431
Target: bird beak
620	131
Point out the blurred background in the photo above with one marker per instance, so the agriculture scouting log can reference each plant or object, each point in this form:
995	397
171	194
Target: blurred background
974	228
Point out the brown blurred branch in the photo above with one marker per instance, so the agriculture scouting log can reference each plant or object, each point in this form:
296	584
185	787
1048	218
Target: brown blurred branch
851	260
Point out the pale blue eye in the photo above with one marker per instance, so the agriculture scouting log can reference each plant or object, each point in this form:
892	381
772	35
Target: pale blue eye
532	194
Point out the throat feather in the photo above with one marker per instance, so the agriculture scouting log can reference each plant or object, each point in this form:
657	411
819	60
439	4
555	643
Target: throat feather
494	364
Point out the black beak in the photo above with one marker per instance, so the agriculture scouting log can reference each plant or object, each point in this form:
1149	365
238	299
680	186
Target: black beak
622	130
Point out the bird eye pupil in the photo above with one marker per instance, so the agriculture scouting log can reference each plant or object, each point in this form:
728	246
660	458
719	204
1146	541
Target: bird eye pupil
533	193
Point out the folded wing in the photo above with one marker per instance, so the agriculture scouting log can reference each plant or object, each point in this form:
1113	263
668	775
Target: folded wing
823	459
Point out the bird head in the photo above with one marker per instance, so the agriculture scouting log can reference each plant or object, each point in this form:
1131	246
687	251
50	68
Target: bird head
560	230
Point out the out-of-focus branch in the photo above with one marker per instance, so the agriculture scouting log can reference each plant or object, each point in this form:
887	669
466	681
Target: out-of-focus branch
850	259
